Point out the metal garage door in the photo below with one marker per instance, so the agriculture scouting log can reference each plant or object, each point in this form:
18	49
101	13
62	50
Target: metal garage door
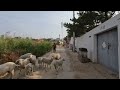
108	49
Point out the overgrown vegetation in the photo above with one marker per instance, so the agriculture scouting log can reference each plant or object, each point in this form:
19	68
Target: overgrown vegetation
22	46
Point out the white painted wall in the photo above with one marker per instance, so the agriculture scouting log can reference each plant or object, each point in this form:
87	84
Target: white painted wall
71	40
85	42
91	42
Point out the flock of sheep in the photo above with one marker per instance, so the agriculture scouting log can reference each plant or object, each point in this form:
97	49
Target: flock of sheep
29	62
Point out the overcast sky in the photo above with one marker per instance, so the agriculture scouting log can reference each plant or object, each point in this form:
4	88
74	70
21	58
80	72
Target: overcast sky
36	24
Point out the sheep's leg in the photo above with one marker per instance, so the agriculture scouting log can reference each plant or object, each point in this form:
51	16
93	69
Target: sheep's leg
42	65
61	67
32	69
12	73
26	71
46	66
49	67
30	72
39	66
58	68
55	67
20	71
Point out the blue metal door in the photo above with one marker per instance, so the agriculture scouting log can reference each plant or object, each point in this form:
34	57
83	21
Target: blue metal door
108	49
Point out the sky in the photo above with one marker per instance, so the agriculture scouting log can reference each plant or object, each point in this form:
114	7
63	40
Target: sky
35	24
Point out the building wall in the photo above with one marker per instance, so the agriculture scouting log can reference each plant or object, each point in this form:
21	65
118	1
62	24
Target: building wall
89	40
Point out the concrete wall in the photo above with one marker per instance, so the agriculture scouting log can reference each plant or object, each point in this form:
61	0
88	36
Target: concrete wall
85	42
89	40
71	40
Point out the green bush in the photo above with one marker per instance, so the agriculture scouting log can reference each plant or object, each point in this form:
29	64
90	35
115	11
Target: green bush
24	46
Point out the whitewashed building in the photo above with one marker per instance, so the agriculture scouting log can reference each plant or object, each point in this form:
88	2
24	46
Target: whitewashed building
103	44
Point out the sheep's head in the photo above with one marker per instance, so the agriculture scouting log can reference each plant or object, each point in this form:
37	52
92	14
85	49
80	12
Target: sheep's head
30	59
52	58
17	62
20	61
31	56
17	66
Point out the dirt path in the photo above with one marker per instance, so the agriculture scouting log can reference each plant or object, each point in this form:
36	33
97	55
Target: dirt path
72	69
88	70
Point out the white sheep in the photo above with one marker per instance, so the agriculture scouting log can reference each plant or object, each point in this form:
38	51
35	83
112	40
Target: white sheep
47	61
28	69
22	63
8	67
27	55
57	64
56	56
39	59
33	60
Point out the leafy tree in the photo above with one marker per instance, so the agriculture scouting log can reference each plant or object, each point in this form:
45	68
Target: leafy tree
86	21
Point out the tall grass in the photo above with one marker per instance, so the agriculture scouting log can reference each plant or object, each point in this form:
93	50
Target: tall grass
23	46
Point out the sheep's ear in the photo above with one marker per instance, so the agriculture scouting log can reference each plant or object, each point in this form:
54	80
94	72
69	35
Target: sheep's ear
30	56
17	61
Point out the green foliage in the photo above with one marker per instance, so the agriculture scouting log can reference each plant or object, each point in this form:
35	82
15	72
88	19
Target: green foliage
86	21
23	46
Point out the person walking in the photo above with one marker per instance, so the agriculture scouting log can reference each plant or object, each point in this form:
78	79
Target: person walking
54	47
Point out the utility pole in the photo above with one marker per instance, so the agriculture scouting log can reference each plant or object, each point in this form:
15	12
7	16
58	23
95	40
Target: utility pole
62	31
73	34
59	36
